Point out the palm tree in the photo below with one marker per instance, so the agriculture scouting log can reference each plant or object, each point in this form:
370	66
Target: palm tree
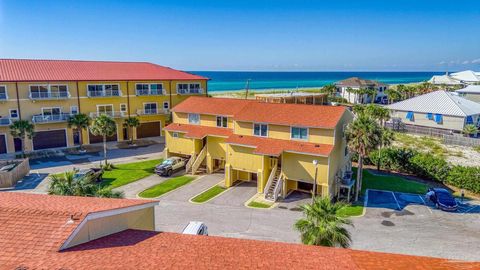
130	123
379	113
363	136
104	126
393	95
385	140
69	185
79	122
350	91
329	89
22	129
323	225
470	130
372	93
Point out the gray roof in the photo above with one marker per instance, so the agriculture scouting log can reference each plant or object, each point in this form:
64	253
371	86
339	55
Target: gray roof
440	102
473	89
359	82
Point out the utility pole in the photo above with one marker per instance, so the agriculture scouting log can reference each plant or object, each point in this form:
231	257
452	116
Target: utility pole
247	87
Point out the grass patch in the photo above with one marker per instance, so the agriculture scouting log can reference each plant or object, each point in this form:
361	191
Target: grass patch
423	143
208	194
127	173
255	204
166	186
477	148
391	183
352	211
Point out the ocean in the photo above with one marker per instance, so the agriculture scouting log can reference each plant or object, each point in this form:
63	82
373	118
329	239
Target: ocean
233	80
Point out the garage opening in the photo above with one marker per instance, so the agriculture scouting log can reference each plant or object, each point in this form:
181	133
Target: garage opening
307	187
148	129
3	144
49	139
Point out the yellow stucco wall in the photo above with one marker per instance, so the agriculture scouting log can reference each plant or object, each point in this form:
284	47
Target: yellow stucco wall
300	167
216	147
180	145
242	158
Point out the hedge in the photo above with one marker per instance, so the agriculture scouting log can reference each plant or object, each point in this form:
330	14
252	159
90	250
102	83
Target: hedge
465	177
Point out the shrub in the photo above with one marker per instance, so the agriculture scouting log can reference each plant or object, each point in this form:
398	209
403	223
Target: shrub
429	166
465	177
393	158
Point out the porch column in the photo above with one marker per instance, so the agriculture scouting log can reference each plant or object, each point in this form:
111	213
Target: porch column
209	163
260	181
228	175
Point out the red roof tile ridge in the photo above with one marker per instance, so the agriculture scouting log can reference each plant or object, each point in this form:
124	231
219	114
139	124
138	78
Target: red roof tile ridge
77	60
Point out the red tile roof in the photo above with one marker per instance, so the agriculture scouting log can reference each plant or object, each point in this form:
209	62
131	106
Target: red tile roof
275	147
74	70
33	225
199	132
133	249
292	114
214	106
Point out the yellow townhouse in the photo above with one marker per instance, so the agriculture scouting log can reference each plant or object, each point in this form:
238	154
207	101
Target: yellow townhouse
280	146
48	92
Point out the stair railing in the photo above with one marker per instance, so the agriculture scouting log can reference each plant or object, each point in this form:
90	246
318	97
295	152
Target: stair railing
278	189
270	180
190	163
201	156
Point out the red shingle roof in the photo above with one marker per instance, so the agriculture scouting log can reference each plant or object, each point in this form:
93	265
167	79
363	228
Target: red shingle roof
33	225
74	70
198	132
133	249
275	147
215	106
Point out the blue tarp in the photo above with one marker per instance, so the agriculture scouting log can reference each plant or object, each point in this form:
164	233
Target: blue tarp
409	116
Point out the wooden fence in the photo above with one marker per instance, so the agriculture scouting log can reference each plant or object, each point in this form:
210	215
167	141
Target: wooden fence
10	178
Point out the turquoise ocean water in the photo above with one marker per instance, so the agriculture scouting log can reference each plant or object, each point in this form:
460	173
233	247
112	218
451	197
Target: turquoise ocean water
236	80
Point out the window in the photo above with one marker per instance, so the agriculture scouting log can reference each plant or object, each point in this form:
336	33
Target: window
410	116
438	119
222	121
13	113
260	130
73	109
194	118
105	109
189	88
156	89
99	90
3	92
51	111
430	116
175	134
299	133
182	88
39	91
469	120
194	88
150	108
123	107
149	89
166	105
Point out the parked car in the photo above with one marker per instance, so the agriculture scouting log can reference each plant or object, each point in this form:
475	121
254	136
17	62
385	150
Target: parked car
196	228
442	199
95	174
170	165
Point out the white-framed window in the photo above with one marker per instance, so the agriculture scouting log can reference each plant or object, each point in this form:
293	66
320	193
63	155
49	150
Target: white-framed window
13	113
194	118
222	121
175	134
49	91
189	88
73	109
123	107
143	89
3	92
260	130
102	90
105	109
166	105
51	111
299	133
150	108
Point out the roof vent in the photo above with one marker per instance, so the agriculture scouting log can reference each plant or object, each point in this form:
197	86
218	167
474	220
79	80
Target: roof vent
241	136
317	145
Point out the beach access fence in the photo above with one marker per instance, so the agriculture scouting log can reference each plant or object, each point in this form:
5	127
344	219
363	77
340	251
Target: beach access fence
447	136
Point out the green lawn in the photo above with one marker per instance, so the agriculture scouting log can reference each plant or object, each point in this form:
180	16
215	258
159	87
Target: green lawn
259	204
208	194
166	186
127	173
352	211
391	183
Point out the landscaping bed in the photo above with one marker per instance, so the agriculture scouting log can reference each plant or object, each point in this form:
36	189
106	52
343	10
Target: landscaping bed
391	183
127	173
209	194
166	186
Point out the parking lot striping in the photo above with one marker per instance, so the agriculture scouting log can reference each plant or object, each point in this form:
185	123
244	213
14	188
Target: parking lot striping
471	208
399	208
425	203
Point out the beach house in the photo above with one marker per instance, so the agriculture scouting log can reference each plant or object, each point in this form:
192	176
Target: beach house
353	90
279	146
471	92
440	110
457	78
48	92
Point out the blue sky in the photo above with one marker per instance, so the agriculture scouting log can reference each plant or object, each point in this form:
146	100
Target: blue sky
249	35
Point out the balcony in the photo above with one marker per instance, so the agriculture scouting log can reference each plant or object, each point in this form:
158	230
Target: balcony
3	96
49	95
104	93
151	92
112	114
50	118
190	91
152	111
5	122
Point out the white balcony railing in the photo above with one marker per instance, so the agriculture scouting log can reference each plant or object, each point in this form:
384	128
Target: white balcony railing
152	111
49	95
151	92
5	121
190	91
113	114
50	118
104	93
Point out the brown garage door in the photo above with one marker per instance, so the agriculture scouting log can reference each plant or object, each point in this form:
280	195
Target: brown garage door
98	139
49	139
3	144
149	129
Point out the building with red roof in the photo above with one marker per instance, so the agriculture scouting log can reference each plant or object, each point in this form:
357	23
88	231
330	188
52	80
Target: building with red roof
280	146
63	232
48	92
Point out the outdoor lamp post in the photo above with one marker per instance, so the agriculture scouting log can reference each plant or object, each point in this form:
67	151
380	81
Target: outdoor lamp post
314	192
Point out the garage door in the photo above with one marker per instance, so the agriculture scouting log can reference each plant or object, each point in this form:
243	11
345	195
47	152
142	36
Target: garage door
98	139
149	129
49	139
3	144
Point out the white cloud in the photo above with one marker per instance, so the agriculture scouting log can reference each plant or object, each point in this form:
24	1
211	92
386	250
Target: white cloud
476	61
466	62
442	63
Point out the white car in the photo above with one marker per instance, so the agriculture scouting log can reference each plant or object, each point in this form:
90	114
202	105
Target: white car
170	165
196	228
